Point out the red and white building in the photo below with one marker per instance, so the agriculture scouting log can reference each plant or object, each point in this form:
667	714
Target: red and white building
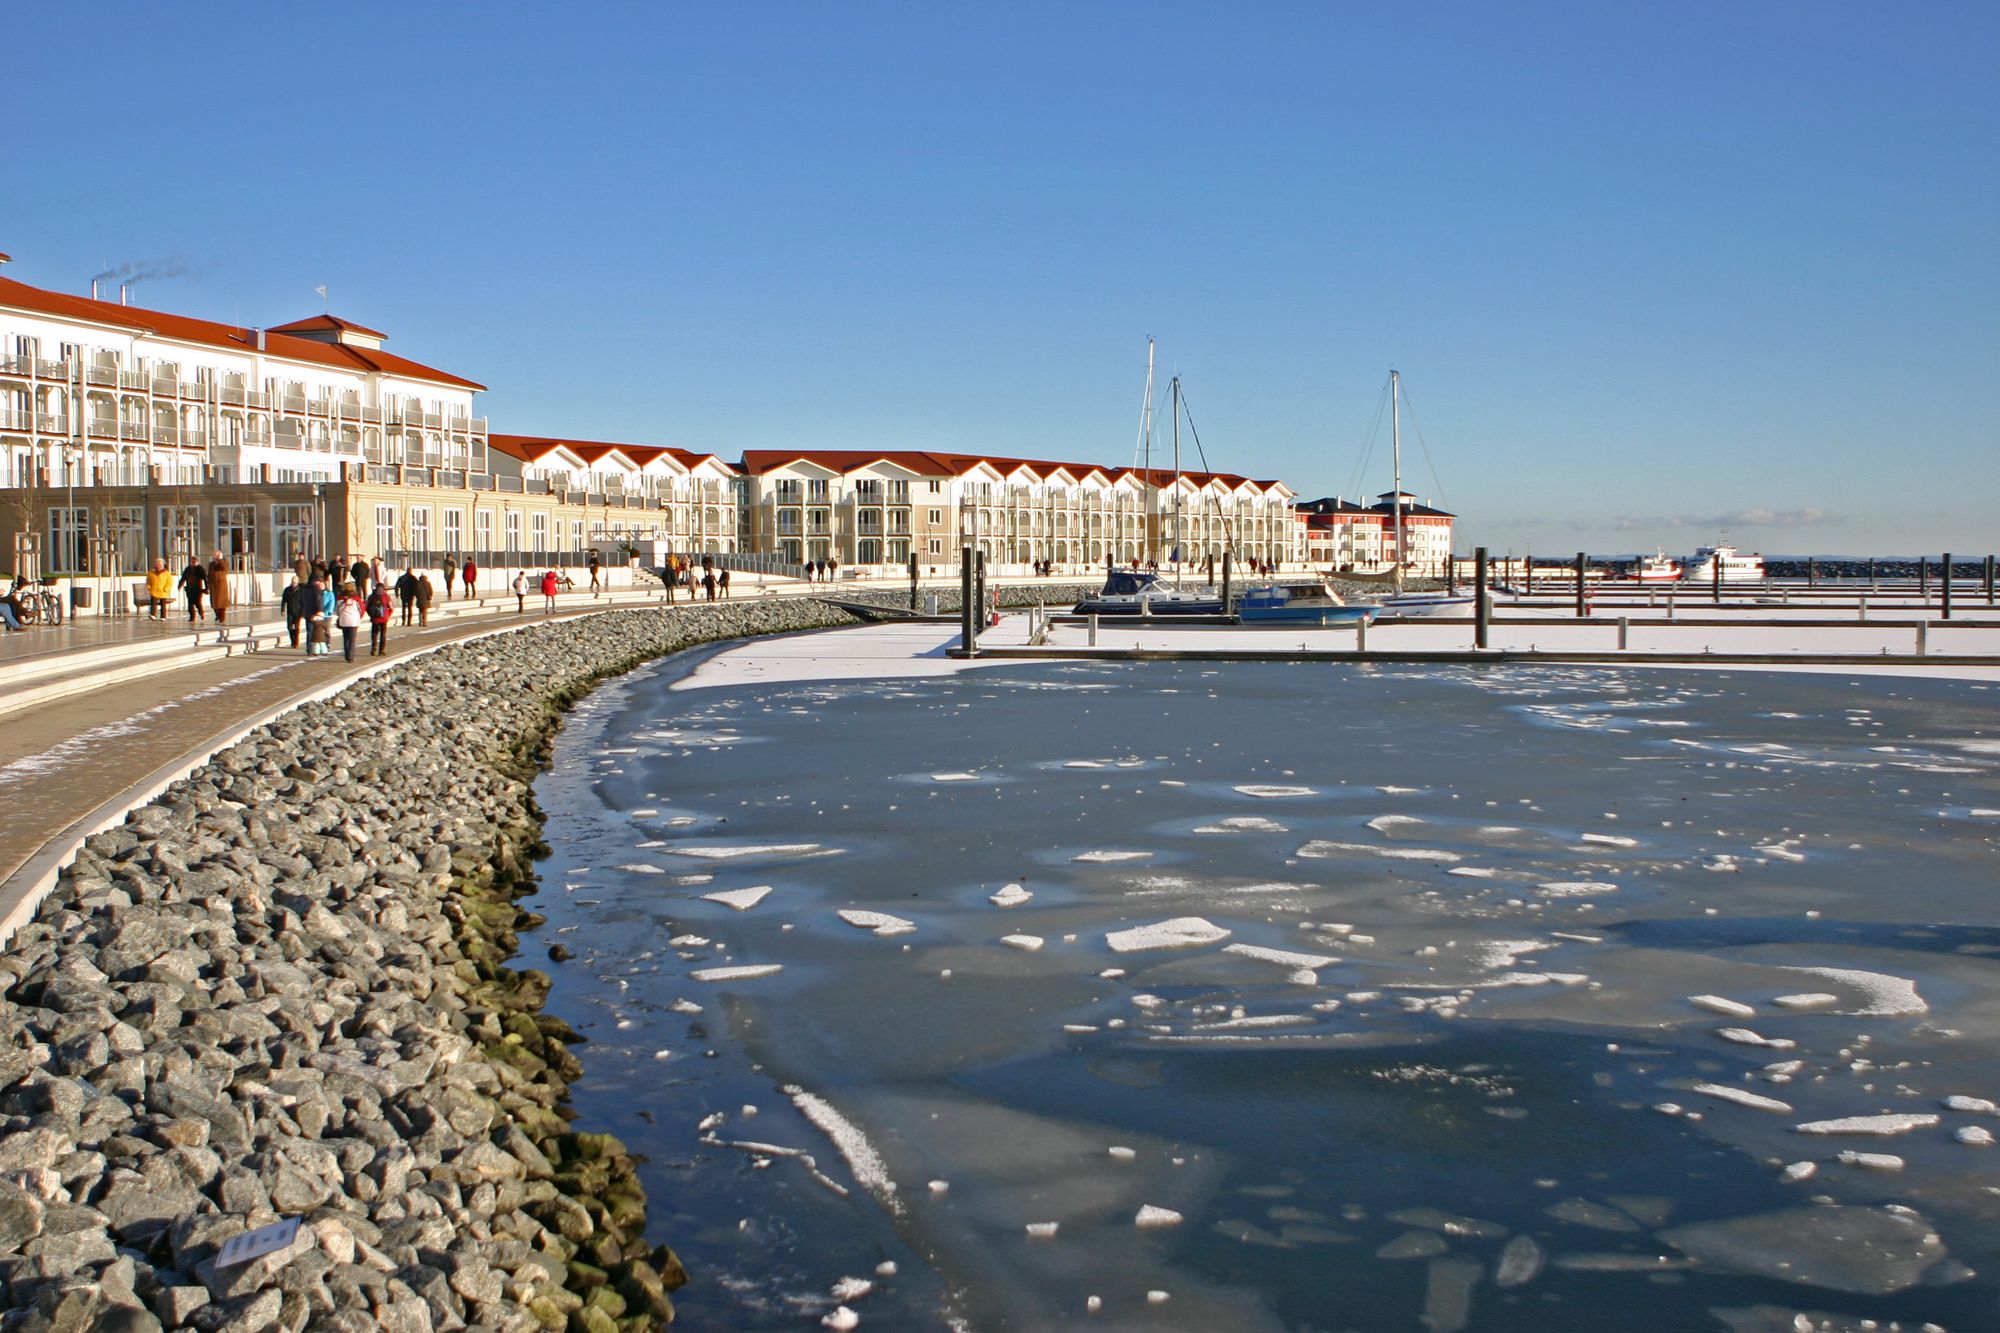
1342	535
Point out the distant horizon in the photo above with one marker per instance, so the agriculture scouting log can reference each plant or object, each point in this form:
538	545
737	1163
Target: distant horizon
1644	286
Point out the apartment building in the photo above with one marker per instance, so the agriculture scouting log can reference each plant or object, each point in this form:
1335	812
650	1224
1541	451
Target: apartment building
868	509
1344	535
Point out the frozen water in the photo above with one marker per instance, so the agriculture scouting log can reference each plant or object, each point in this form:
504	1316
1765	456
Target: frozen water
1151	1216
1110	857
748	972
879	922
1721	1005
1011	895
1275	792
1868	1250
1883	994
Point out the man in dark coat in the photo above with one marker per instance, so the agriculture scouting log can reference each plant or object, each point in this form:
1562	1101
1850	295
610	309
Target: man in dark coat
359	571
292	599
406	593
194	582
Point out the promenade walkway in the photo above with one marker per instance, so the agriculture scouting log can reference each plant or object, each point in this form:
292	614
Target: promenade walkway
69	765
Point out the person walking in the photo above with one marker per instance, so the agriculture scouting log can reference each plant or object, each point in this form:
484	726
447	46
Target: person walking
303	568
471	575
159	589
194	583
218	587
319	618
377	575
358	571
406	593
708	583
380	608
292	599
450	572
722	582
591	560
424	594
548	591
348	613
520	592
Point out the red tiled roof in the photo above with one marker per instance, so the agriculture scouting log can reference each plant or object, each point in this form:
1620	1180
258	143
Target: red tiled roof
21	296
327	324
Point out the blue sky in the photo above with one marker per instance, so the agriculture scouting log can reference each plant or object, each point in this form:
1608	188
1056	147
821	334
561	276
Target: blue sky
1649	272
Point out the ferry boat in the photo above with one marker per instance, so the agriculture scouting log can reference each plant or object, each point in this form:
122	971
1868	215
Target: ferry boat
1137	592
1656	568
1272	604
1735	568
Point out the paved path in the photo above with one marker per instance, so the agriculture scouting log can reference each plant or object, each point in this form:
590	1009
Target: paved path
62	762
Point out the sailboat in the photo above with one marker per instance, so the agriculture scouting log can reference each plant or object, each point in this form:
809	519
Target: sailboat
1400	604
1139	592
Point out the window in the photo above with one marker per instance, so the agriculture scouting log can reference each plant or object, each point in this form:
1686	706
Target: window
576	534
899	492
385	528
540	527
482	523
790	492
178	525
937	517
236	529
936	487
816	491
291	531
420	528
513	531
937	546
454	530
69	541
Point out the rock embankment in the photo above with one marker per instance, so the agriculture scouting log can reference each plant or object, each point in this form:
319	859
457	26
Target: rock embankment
1063	595
281	991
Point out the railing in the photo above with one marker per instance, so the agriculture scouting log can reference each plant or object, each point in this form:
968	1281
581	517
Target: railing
292	402
132	430
164	387
258	400
371	416
133	379
165	435
229	396
194	388
507	484
16	365
535	485
54	370
52	423
101	375
195	439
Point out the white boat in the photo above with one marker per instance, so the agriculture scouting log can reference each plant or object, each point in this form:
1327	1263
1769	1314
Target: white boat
1735	568
1136	592
1656	568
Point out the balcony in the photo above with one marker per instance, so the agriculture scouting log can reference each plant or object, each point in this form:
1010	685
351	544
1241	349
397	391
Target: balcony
101	375
134	379
165	435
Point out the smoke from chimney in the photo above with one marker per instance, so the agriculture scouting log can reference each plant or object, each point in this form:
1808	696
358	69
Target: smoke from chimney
141	270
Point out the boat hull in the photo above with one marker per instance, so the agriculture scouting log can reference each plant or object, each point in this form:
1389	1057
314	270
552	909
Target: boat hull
1160	607
1304	615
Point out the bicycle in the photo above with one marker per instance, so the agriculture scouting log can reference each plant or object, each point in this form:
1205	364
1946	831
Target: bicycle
38	601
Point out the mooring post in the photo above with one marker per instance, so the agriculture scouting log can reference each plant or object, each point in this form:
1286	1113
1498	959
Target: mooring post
1989	580
1924	580
1361	635
1812	571
968	637
1715	577
979	580
1861	607
913	585
1451	574
1479	597
1580	606
1944	586
1871	573
1225	583
1923	637
1093	629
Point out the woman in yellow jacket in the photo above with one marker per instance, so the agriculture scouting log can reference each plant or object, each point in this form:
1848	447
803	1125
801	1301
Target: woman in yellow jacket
159	588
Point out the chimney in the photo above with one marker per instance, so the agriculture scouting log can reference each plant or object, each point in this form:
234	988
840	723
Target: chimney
93	289
257	337
124	294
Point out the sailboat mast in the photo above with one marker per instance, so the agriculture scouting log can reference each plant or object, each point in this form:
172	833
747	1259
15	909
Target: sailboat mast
1396	453
1146	414
1175	552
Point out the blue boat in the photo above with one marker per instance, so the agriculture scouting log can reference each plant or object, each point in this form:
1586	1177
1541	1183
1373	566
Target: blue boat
1272	604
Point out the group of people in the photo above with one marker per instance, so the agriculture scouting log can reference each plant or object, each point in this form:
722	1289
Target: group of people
324	596
821	571
680	572
549	583
201	582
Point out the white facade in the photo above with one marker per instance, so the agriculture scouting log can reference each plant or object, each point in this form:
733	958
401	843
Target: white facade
94	391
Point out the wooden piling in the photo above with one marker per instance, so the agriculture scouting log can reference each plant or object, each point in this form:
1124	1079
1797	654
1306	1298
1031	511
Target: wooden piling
1582	609
1944	587
913	584
1225	583
968	637
1479	597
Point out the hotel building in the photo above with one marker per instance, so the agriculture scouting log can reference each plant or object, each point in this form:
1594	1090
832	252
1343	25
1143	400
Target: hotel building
1342	535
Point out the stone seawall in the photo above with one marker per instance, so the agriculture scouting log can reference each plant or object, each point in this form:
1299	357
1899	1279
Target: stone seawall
280	991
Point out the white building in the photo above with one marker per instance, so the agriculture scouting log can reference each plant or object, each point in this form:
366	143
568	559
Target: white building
95	391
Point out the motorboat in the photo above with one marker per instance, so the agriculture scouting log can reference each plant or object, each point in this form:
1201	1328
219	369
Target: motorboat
1276	604
1138	592
1656	568
1427	606
1734	568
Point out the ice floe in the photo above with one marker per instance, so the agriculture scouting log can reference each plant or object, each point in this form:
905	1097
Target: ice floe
1880	1126
869	1170
1183	932
1609	840
1383	823
740	899
1872	1161
1724	1092
1025	943
1268	792
1109	857
1575	888
1718	1004
1009	895
1151	1216
954	777
1320	848
1886	995
720	852
1243	824
748	972
881	923
1872	1251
